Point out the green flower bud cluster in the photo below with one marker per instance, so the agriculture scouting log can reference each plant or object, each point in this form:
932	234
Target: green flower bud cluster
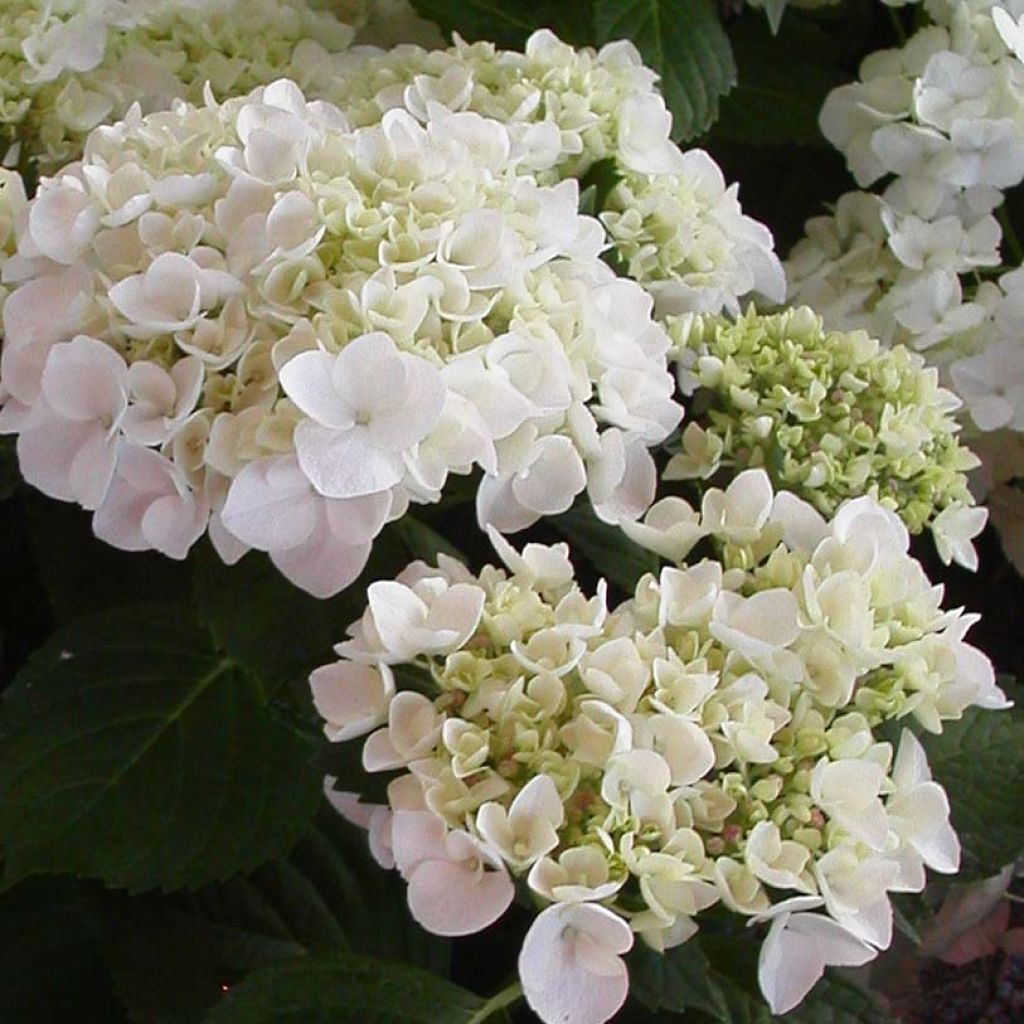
829	415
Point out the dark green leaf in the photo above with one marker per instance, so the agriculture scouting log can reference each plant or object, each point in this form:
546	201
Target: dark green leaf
52	968
82	574
133	752
173	955
342	988
713	978
10	476
501	23
270	626
782	83
610	551
424	541
683	41
980	762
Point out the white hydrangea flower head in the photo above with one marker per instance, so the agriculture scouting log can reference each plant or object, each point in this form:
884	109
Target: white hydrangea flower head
711	739
71	66
308	326
673	222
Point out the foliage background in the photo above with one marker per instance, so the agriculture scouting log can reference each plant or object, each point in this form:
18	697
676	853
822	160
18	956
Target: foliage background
167	855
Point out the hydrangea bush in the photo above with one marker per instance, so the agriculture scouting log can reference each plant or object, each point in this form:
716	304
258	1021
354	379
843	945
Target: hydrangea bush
297	293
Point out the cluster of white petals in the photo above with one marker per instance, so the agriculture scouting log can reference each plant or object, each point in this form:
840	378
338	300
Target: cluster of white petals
67	67
939	122
675	224
709	741
254	316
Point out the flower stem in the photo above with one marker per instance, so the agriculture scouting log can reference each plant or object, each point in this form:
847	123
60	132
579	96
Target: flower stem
901	32
504	998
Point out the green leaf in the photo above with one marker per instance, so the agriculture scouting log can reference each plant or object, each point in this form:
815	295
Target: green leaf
713	978
510	24
82	574
342	988
782	83
131	751
980	762
505	24
683	41
52	967
424	541
10	476
678	979
607	548
172	956
271	627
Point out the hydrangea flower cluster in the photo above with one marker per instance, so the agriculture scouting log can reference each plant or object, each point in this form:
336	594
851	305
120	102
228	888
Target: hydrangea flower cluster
940	121
67	67
253	311
830	415
711	740
673	221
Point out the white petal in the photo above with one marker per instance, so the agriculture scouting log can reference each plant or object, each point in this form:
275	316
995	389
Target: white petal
570	964
307	381
271	505
449	898
344	464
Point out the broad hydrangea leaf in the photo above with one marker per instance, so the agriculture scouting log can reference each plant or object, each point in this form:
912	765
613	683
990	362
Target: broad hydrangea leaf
335	989
685	43
980	763
132	751
607	548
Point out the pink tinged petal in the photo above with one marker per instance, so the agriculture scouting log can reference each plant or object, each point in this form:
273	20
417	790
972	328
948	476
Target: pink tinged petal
36	316
271	505
307	381
141	476
322	565
152	384
458	610
570	964
172	524
92	468
344	464
188	375
357	520
379	754
352	698
85	379
395	610
380	838
417	836
348	805
47	449
497	506
452	899
60	221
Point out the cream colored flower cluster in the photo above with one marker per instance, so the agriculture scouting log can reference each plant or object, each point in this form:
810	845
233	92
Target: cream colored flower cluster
672	219
830	415
710	740
67	67
937	126
254	316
